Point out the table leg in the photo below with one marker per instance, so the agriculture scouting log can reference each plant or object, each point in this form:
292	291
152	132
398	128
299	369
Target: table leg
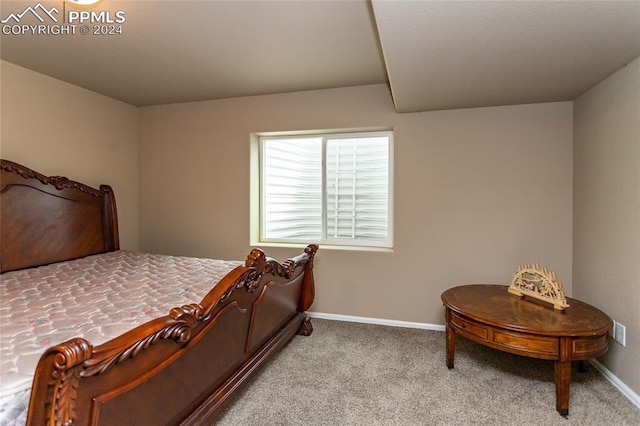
583	366
451	341
562	379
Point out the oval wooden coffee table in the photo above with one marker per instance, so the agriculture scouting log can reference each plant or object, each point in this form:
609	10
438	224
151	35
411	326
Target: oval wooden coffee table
489	315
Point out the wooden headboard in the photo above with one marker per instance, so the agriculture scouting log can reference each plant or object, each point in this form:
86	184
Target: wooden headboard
52	219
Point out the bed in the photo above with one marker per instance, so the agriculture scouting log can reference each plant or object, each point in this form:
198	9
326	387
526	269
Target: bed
182	366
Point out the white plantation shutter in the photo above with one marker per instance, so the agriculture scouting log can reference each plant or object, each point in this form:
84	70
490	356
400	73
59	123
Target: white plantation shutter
292	189
357	188
327	188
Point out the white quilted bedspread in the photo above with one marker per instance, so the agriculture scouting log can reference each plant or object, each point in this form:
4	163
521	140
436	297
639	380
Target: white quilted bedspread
97	297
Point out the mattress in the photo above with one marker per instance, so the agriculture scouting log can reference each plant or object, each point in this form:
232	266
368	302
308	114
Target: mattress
98	298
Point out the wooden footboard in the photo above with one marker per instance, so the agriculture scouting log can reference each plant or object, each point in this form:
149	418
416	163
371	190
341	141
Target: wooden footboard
184	367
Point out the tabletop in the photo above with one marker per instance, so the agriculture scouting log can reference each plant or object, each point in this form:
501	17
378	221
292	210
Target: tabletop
494	305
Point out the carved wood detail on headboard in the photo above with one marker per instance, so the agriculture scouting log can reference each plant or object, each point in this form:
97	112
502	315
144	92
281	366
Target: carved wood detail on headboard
48	219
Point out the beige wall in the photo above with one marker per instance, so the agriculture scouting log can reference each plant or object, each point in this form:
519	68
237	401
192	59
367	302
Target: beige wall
606	248
477	192
60	129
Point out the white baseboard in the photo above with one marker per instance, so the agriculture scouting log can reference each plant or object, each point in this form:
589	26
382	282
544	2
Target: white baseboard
626	390
378	321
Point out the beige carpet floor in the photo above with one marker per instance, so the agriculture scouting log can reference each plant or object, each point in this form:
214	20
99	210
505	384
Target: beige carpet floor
360	374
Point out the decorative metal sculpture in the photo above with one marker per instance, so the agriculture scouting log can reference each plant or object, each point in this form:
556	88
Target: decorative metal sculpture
539	283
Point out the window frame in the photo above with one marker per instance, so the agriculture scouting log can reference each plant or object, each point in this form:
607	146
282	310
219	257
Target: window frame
258	228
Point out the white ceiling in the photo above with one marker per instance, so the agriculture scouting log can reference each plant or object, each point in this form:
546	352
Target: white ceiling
433	54
449	54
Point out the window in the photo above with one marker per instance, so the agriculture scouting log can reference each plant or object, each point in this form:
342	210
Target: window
328	188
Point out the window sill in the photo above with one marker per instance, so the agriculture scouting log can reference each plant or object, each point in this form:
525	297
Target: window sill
324	247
